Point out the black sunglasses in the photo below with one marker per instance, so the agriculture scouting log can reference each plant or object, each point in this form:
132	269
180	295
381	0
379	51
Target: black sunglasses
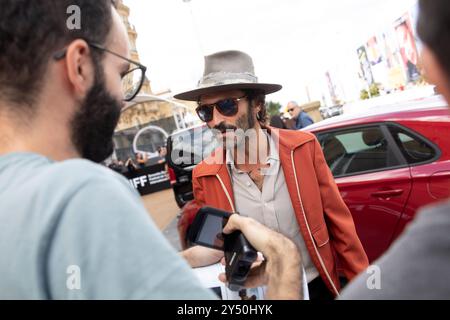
227	107
132	80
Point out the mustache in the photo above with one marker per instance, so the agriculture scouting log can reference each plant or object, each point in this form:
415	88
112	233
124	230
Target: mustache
223	127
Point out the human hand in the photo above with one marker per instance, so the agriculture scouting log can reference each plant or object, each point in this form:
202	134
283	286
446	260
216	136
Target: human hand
256	277
199	256
281	269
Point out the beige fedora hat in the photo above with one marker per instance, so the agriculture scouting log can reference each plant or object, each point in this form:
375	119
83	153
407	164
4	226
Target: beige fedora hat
227	70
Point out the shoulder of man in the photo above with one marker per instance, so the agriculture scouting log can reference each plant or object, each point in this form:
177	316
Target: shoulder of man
71	176
293	138
433	217
105	230
211	165
305	115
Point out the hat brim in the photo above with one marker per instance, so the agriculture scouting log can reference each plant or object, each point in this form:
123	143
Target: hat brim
194	95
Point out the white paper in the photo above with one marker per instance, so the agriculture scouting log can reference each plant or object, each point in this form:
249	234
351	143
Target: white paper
209	277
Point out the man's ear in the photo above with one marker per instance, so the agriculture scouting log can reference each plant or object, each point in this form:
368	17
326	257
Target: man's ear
435	73
80	68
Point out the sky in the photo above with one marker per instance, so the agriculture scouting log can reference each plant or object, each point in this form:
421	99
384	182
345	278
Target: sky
292	42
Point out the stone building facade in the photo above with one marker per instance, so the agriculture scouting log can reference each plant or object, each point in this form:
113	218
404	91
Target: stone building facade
159	112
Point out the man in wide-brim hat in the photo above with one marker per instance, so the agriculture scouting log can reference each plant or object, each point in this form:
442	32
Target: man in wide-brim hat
289	188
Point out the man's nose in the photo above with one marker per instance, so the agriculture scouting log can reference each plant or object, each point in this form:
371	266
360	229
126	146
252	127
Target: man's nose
217	118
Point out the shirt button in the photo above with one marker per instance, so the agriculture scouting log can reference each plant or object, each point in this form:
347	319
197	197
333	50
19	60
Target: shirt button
249	184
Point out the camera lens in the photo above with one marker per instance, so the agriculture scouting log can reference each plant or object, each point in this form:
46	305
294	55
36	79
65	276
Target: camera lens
242	269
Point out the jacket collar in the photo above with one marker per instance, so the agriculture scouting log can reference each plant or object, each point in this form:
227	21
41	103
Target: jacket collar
289	141
212	165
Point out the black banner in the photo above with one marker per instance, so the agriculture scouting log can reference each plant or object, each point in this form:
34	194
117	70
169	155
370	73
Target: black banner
150	179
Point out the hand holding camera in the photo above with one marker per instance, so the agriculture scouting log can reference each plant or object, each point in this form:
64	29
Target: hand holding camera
280	270
207	230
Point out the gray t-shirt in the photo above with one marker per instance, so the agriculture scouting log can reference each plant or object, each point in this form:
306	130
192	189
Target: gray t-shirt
76	230
417	266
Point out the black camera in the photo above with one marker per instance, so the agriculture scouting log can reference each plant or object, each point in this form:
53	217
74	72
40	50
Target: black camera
206	230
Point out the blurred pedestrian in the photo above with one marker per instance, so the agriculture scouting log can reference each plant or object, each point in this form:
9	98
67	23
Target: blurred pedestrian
162	152
130	165
141	160
117	166
277	122
302	119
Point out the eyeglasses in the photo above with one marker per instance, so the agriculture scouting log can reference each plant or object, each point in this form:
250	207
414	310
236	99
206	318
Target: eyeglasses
290	110
227	107
132	80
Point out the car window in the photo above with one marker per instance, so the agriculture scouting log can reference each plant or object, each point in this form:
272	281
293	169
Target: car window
414	148
353	151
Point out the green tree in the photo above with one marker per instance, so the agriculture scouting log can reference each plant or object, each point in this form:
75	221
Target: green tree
273	108
364	95
374	92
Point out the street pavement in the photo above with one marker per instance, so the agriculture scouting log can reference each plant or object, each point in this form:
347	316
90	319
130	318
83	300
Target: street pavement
163	209
171	233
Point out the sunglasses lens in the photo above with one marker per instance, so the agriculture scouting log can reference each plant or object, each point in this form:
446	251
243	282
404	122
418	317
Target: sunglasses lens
227	107
205	113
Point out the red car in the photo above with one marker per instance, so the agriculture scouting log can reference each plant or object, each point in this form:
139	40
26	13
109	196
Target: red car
388	163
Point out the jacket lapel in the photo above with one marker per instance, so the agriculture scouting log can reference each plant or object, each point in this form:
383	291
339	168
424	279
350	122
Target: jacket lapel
217	170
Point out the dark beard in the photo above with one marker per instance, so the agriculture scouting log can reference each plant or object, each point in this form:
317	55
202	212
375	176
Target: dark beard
244	123
94	124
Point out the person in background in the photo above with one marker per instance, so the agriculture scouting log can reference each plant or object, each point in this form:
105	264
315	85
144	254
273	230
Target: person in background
302	119
162	152
277	122
117	166
141	160
130	165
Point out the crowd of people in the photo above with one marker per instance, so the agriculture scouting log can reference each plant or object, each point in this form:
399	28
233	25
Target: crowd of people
61	94
140	161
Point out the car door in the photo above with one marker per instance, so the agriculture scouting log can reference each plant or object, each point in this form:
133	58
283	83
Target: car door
373	178
430	165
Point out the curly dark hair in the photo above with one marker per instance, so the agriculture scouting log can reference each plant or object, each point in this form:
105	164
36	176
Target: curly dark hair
257	97
434	29
31	32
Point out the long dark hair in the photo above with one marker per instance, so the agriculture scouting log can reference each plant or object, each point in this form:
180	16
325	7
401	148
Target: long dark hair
258	98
